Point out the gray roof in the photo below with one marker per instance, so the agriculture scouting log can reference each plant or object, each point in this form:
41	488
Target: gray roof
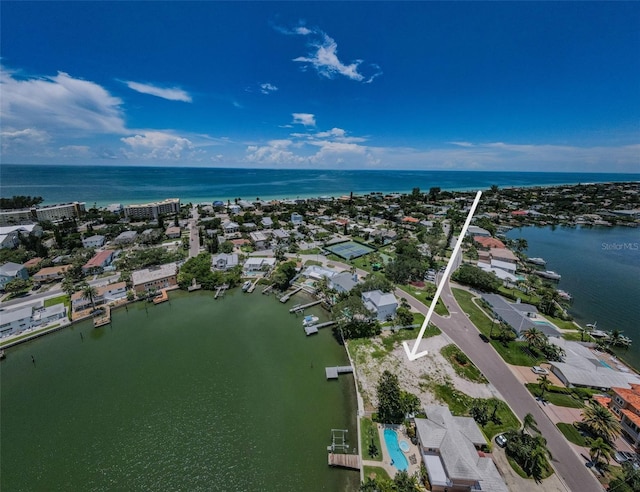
10	269
126	235
514	315
155	273
15	315
344	280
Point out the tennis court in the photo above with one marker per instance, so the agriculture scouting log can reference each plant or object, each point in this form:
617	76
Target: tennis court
349	249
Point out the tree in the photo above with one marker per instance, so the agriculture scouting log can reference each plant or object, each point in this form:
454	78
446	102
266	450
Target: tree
544	384
17	285
68	285
534	337
529	422
404	316
89	292
599	450
601	422
393	403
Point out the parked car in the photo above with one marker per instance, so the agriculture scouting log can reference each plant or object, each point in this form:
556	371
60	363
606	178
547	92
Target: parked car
622	456
501	440
539	370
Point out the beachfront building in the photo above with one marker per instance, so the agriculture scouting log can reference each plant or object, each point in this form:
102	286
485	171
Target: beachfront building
155	278
12	217
256	264
15	321
11	271
95	241
224	261
152	210
451	451
382	304
63	211
99	262
104	295
51	274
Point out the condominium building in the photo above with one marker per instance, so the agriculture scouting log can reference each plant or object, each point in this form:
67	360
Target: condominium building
155	278
55	213
153	210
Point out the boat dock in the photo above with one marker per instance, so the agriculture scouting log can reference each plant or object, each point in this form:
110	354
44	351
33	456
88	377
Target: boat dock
313	329
252	287
342	460
220	291
333	372
301	307
162	297
267	289
287	296
105	319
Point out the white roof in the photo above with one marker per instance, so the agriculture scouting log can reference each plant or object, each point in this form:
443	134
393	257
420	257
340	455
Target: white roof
15	315
155	273
501	274
503	265
20	228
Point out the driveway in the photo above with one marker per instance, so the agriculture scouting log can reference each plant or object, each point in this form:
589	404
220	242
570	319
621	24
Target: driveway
518	484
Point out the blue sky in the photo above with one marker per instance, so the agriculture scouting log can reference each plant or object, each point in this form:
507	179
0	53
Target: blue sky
535	86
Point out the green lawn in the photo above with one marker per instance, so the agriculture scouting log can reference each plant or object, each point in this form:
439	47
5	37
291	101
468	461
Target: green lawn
506	419
513	352
515	294
462	365
561	323
577	337
63	299
375	472
369	432
425	298
392	339
557	396
571	433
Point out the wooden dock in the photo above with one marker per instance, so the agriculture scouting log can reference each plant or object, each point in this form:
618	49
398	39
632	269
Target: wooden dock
301	307
287	296
252	287
163	297
313	329
342	460
220	291
268	288
105	319
333	372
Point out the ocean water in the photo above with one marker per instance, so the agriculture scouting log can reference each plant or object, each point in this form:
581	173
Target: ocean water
600	268
103	185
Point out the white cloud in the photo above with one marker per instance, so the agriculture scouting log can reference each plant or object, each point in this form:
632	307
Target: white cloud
21	141
58	104
306	119
158	145
324	57
275	152
267	88
170	93
75	151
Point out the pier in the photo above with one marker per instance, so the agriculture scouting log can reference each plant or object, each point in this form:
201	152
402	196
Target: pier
105	319
162	297
287	296
333	372
252	287
220	291
313	329
341	460
301	307
267	289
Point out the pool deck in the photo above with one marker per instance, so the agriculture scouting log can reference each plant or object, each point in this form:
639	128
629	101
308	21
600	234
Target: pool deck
386	459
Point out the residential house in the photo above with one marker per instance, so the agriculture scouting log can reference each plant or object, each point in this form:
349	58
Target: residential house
230	227
518	316
155	278
259	239
9	240
382	304
10	271
99	261
32	263
50	274
488	242
343	282
234	209
280	235
258	264
297	219
474	231
15	321
266	222
95	241
173	232
451	451
625	403
224	261
249	226
104	295
126	237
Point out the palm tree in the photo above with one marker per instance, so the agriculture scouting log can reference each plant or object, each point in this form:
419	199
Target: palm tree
529	422
534	337
89	292
544	384
599	450
601	422
538	461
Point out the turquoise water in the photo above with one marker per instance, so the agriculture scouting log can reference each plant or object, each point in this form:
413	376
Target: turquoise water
543	323
603	363
398	457
126	184
404	446
598	270
193	394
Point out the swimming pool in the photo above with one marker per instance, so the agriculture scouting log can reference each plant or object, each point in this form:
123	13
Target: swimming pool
398	458
544	323
404	446
603	363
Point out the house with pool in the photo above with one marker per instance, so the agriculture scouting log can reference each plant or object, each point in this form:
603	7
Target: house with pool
451	451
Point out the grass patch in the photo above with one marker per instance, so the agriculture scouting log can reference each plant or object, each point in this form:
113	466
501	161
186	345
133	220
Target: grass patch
462	364
557	396
63	299
577	337
505	419
515	294
458	402
512	352
571	433
376	472
390	341
425	296
562	323
369	433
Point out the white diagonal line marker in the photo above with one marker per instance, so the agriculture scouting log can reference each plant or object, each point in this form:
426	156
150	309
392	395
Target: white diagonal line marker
412	353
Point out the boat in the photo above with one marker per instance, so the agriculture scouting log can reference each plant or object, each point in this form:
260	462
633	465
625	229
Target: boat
550	274
246	285
537	261
564	295
310	320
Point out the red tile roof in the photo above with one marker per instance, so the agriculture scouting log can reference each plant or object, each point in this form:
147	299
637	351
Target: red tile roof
489	242
630	396
99	259
412	220
631	416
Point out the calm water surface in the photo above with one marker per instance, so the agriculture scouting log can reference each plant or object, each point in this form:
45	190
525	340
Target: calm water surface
194	394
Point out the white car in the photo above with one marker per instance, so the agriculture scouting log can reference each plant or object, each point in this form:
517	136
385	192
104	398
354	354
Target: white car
501	440
539	370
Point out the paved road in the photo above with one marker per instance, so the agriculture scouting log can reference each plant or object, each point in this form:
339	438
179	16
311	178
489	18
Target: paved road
194	233
570	467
